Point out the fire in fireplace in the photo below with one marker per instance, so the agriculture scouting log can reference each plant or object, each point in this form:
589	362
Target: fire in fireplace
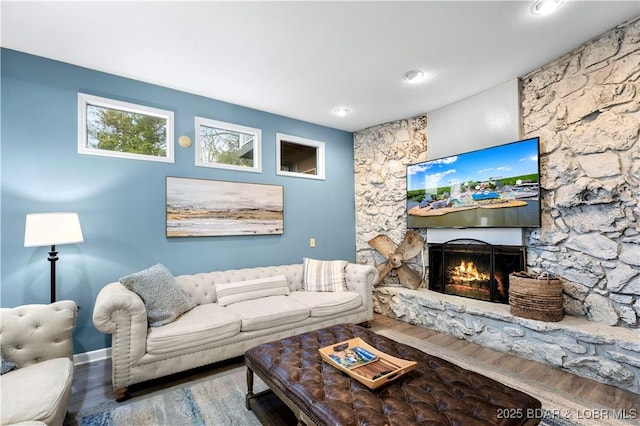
467	272
475	269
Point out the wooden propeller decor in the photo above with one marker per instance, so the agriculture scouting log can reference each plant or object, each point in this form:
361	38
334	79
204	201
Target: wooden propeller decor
396	256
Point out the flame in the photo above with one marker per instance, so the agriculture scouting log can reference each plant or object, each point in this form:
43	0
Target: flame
467	271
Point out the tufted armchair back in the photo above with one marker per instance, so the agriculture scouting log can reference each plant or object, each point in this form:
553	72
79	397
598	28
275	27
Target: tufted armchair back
33	333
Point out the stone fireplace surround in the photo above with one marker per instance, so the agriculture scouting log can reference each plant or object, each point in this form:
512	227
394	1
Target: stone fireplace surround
604	353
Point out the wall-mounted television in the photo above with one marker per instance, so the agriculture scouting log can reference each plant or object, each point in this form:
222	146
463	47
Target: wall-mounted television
496	187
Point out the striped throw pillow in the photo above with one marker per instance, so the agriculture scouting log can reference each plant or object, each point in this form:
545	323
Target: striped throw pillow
325	275
229	293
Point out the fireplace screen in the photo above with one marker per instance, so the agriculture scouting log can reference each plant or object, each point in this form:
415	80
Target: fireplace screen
474	269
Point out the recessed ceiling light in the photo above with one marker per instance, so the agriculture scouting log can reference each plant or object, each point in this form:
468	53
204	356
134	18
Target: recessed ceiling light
413	76
545	7
341	111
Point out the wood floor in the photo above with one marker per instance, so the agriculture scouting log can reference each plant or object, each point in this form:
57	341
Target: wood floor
92	382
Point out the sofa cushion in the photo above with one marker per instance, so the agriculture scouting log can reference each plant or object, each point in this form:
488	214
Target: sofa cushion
269	312
200	326
325	275
228	293
37	392
162	298
325	303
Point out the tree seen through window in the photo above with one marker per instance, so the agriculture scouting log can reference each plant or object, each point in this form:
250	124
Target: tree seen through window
123	131
226	146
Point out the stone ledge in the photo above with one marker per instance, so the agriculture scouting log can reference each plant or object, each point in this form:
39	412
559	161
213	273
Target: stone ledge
605	353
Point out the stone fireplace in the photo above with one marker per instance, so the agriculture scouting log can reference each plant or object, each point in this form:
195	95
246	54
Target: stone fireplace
584	108
474	269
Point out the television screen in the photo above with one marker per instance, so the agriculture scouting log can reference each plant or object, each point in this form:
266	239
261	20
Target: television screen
495	187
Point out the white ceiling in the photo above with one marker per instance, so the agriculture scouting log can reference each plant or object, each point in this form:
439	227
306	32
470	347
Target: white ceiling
302	59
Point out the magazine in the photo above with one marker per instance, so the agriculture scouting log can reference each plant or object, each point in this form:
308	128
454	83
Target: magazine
353	357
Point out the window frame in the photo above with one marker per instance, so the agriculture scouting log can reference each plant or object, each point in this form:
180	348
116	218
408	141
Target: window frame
320	156
257	144
84	100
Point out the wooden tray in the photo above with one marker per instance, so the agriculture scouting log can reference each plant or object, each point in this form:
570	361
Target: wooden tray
374	373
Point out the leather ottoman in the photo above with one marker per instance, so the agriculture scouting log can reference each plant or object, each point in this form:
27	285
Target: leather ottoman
436	392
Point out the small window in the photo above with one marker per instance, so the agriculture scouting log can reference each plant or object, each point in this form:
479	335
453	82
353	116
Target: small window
120	129
299	157
228	146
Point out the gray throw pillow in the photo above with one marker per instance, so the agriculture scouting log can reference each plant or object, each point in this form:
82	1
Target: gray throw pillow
162	298
7	366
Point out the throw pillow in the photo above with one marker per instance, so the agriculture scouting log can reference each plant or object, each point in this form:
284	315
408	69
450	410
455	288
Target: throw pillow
162	298
325	275
229	293
7	366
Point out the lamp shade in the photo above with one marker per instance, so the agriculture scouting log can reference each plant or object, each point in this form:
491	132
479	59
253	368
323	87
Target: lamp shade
46	229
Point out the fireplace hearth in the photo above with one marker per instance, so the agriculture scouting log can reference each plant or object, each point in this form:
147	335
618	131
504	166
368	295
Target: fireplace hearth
474	269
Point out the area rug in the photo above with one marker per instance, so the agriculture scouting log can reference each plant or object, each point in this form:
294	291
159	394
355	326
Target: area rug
559	408
217	400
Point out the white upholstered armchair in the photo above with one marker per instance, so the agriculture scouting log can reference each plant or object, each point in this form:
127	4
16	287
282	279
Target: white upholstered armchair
38	339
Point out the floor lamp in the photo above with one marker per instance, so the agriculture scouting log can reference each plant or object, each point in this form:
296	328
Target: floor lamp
51	229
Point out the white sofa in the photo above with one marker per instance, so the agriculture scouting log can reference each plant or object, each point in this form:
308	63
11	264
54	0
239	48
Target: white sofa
209	332
38	339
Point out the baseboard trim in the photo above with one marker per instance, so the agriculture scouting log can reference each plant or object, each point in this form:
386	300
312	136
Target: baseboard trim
92	356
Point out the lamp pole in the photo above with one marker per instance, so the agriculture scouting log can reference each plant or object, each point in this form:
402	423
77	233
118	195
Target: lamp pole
53	257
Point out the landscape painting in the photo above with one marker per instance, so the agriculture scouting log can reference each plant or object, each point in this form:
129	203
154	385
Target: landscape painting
203	208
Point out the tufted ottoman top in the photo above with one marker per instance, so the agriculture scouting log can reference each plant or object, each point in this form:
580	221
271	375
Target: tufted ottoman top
436	392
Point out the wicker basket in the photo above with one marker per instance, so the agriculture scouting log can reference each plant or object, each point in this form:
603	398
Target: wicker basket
538	298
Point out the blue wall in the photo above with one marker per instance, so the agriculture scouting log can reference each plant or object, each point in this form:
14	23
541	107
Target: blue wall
121	202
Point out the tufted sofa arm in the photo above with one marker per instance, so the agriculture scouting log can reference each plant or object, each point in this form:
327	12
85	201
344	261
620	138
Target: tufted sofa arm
121	312
360	278
30	334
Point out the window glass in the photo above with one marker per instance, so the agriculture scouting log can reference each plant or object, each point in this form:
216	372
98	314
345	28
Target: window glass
299	157
114	128
227	146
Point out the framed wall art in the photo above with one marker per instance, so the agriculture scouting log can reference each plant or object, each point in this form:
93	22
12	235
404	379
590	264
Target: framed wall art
204	208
